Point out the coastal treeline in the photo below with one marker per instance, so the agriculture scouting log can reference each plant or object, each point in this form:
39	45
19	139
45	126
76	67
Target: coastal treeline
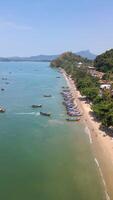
104	62
88	85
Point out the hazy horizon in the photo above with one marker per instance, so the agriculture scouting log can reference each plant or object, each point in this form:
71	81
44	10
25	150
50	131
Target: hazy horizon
51	27
46	54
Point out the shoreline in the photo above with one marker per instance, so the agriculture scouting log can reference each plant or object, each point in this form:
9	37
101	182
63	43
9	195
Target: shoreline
101	146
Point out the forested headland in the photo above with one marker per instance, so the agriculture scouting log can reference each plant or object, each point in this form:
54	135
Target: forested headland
88	85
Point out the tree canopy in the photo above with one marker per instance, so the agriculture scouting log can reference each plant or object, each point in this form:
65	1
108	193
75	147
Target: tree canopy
88	85
104	62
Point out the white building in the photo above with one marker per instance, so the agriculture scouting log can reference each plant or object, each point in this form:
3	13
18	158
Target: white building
105	86
79	64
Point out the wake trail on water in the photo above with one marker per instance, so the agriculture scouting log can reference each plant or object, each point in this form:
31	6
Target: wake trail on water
28	113
87	131
101	174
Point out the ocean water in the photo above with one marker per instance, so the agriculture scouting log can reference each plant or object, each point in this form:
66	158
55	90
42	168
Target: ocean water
42	158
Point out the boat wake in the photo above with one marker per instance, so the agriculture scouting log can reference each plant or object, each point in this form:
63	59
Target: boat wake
37	113
28	113
101	174
87	131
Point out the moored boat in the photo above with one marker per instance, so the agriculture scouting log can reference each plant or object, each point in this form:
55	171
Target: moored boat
49	95
65	87
2	110
66	90
46	114
4	79
37	106
74	114
72	119
70	105
2	89
7	83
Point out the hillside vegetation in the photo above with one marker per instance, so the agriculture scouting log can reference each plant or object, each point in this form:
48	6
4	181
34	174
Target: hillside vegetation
88	85
104	62
69	59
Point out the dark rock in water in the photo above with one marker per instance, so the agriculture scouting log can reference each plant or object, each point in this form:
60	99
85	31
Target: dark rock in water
2	89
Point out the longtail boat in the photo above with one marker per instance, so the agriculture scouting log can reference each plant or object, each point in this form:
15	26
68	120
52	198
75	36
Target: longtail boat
49	95
71	119
37	106
46	114
2	110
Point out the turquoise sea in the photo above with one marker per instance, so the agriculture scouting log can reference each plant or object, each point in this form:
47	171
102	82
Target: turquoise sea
42	158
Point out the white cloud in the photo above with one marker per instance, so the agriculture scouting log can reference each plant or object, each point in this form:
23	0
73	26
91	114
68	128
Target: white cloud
13	25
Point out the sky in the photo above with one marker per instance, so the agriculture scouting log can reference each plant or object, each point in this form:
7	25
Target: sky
33	27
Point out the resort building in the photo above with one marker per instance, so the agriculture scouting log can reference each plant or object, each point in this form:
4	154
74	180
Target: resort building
95	73
79	64
105	86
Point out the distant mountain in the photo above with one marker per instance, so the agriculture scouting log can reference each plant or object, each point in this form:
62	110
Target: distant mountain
3	59
47	58
87	54
43	57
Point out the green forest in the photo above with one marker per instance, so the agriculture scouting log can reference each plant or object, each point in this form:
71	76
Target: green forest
102	104
104	62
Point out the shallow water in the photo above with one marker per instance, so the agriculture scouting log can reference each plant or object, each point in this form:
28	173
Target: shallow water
42	158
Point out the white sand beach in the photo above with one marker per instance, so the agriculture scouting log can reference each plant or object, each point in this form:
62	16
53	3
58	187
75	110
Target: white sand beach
101	144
